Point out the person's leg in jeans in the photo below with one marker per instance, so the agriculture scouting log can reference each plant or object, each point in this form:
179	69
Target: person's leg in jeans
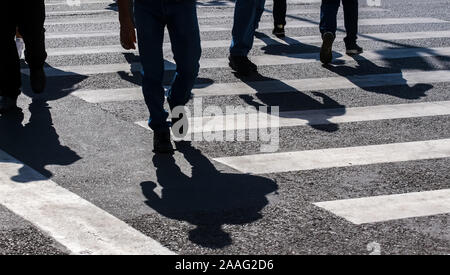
10	76
328	26
31	27
351	26
245	22
184	33
185	37
247	14
150	24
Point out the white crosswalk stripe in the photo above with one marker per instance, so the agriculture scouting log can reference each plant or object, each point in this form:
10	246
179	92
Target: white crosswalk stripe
77	12
69	3
278	86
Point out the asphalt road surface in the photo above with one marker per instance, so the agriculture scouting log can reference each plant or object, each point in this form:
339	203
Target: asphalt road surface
358	164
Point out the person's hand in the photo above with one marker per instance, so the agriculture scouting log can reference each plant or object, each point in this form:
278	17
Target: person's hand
127	35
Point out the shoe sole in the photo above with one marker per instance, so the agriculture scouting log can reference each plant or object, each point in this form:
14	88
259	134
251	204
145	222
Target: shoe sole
326	52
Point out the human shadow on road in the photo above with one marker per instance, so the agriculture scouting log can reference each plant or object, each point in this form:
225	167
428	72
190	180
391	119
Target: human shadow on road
275	92
36	143
209	199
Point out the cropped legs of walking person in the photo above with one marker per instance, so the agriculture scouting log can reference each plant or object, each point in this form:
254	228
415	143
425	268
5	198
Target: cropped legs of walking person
151	18
279	17
247	15
28	18
328	27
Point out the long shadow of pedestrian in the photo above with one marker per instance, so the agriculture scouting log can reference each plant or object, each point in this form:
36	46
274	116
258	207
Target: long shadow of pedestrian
209	198
113	6
363	66
37	143
290	46
401	89
293	99
290	98
135	77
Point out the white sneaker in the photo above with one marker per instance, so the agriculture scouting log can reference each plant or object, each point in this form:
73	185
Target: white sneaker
20	44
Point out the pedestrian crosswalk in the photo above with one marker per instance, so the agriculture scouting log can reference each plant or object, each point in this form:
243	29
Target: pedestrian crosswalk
407	67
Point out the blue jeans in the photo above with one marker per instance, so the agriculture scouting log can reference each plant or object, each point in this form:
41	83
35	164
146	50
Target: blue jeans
247	14
180	17
328	21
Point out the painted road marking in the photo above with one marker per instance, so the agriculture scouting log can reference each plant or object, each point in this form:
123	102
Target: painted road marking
75	223
391	207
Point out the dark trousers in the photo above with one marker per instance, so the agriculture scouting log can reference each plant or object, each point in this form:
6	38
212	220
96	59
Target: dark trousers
279	12
180	17
29	17
247	14
328	21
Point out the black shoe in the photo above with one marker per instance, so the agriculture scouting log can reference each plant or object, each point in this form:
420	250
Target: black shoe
326	52
162	143
353	49
279	31
7	104
38	80
242	65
